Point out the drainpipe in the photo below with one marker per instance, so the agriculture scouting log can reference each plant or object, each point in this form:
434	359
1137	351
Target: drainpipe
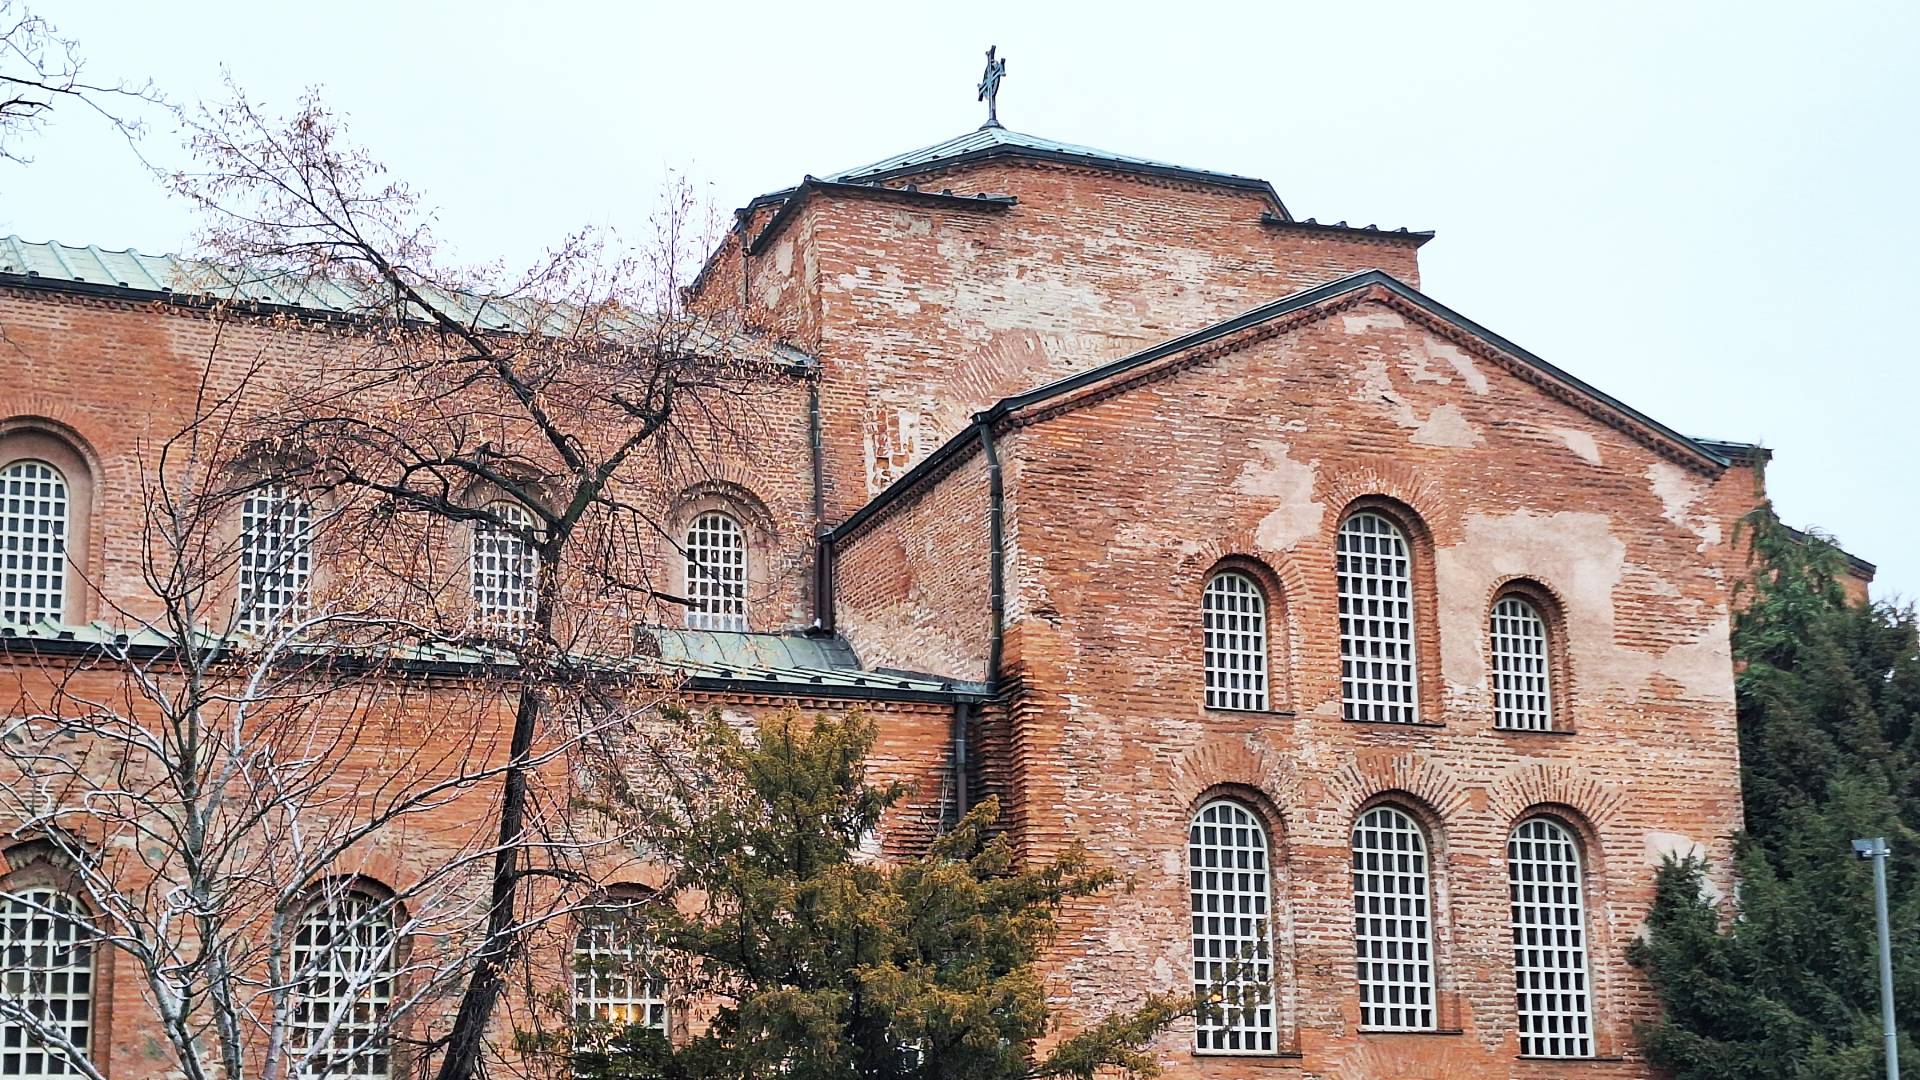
997	587
822	546
996	554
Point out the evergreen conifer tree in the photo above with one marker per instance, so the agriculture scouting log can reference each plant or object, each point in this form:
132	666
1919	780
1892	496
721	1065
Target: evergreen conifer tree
1780	981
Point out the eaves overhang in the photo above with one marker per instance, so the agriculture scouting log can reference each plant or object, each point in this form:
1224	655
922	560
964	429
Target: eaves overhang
798	196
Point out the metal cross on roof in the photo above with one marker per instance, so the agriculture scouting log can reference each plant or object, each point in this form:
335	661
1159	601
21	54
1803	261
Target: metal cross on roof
990	87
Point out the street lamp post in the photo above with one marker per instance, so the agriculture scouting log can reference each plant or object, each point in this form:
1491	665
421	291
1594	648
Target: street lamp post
1877	850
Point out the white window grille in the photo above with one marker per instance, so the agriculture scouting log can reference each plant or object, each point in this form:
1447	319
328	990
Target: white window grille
33	542
1522	694
1230	889
1551	984
47	953
1234	618
276	558
1376	621
716	551
343	965
613	988
505	573
1392	922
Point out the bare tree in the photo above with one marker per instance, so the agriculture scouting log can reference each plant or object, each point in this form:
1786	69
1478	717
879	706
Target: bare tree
40	70
543	419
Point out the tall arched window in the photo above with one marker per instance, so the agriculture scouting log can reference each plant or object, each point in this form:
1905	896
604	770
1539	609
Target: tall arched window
1233	612
276	558
716	551
1230	887
1522	682
1375	582
612	986
1392	922
504	570
343	966
46	971
33	542
1551	987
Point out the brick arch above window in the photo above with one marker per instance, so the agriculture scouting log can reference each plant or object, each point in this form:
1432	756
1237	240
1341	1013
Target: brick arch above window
1529	678
714	513
48	491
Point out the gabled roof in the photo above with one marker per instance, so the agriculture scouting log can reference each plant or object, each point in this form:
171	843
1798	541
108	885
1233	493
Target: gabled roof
1644	428
993	141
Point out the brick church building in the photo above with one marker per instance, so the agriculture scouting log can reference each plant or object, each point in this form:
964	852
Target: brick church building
1369	647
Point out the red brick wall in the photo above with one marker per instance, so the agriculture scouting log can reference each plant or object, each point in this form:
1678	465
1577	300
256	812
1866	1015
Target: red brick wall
1129	501
927	314
911	586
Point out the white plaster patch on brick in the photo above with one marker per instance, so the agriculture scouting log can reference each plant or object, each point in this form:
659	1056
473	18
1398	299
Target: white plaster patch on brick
1678	491
783	256
1703	666
912	224
1376	389
1461	363
1275	475
1447	426
1582	443
1663	845
1374	318
1575	553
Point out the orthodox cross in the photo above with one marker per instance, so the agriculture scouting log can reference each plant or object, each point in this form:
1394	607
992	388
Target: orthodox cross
990	86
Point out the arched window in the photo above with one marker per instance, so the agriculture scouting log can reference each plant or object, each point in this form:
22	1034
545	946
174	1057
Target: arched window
716	551
1230	889
46	971
33	542
1522	683
504	569
343	965
1233	613
612	986
1551	987
1375	573
276	558
1392	922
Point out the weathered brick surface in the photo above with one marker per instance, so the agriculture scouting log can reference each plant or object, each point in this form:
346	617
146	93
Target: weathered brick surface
1118	502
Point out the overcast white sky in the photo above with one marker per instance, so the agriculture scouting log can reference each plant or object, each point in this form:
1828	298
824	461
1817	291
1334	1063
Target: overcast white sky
1704	209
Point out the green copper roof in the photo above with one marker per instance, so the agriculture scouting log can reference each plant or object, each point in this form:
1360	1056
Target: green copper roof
995	141
790	664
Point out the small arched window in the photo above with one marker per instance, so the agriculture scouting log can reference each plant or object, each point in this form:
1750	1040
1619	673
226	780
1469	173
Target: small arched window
716	573
1233	614
1230	887
33	542
613	985
1392	922
343	968
504	569
1375	582
276	558
1522	678
1552	992
46	972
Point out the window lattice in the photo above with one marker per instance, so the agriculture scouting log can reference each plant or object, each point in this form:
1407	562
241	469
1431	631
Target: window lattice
1522	696
1228	882
1551	991
48	956
1376	621
276	558
1234	617
33	542
716	573
504	570
1392	922
612	987
343	962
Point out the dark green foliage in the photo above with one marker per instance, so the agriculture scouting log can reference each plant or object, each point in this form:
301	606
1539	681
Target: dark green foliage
1783	984
831	966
